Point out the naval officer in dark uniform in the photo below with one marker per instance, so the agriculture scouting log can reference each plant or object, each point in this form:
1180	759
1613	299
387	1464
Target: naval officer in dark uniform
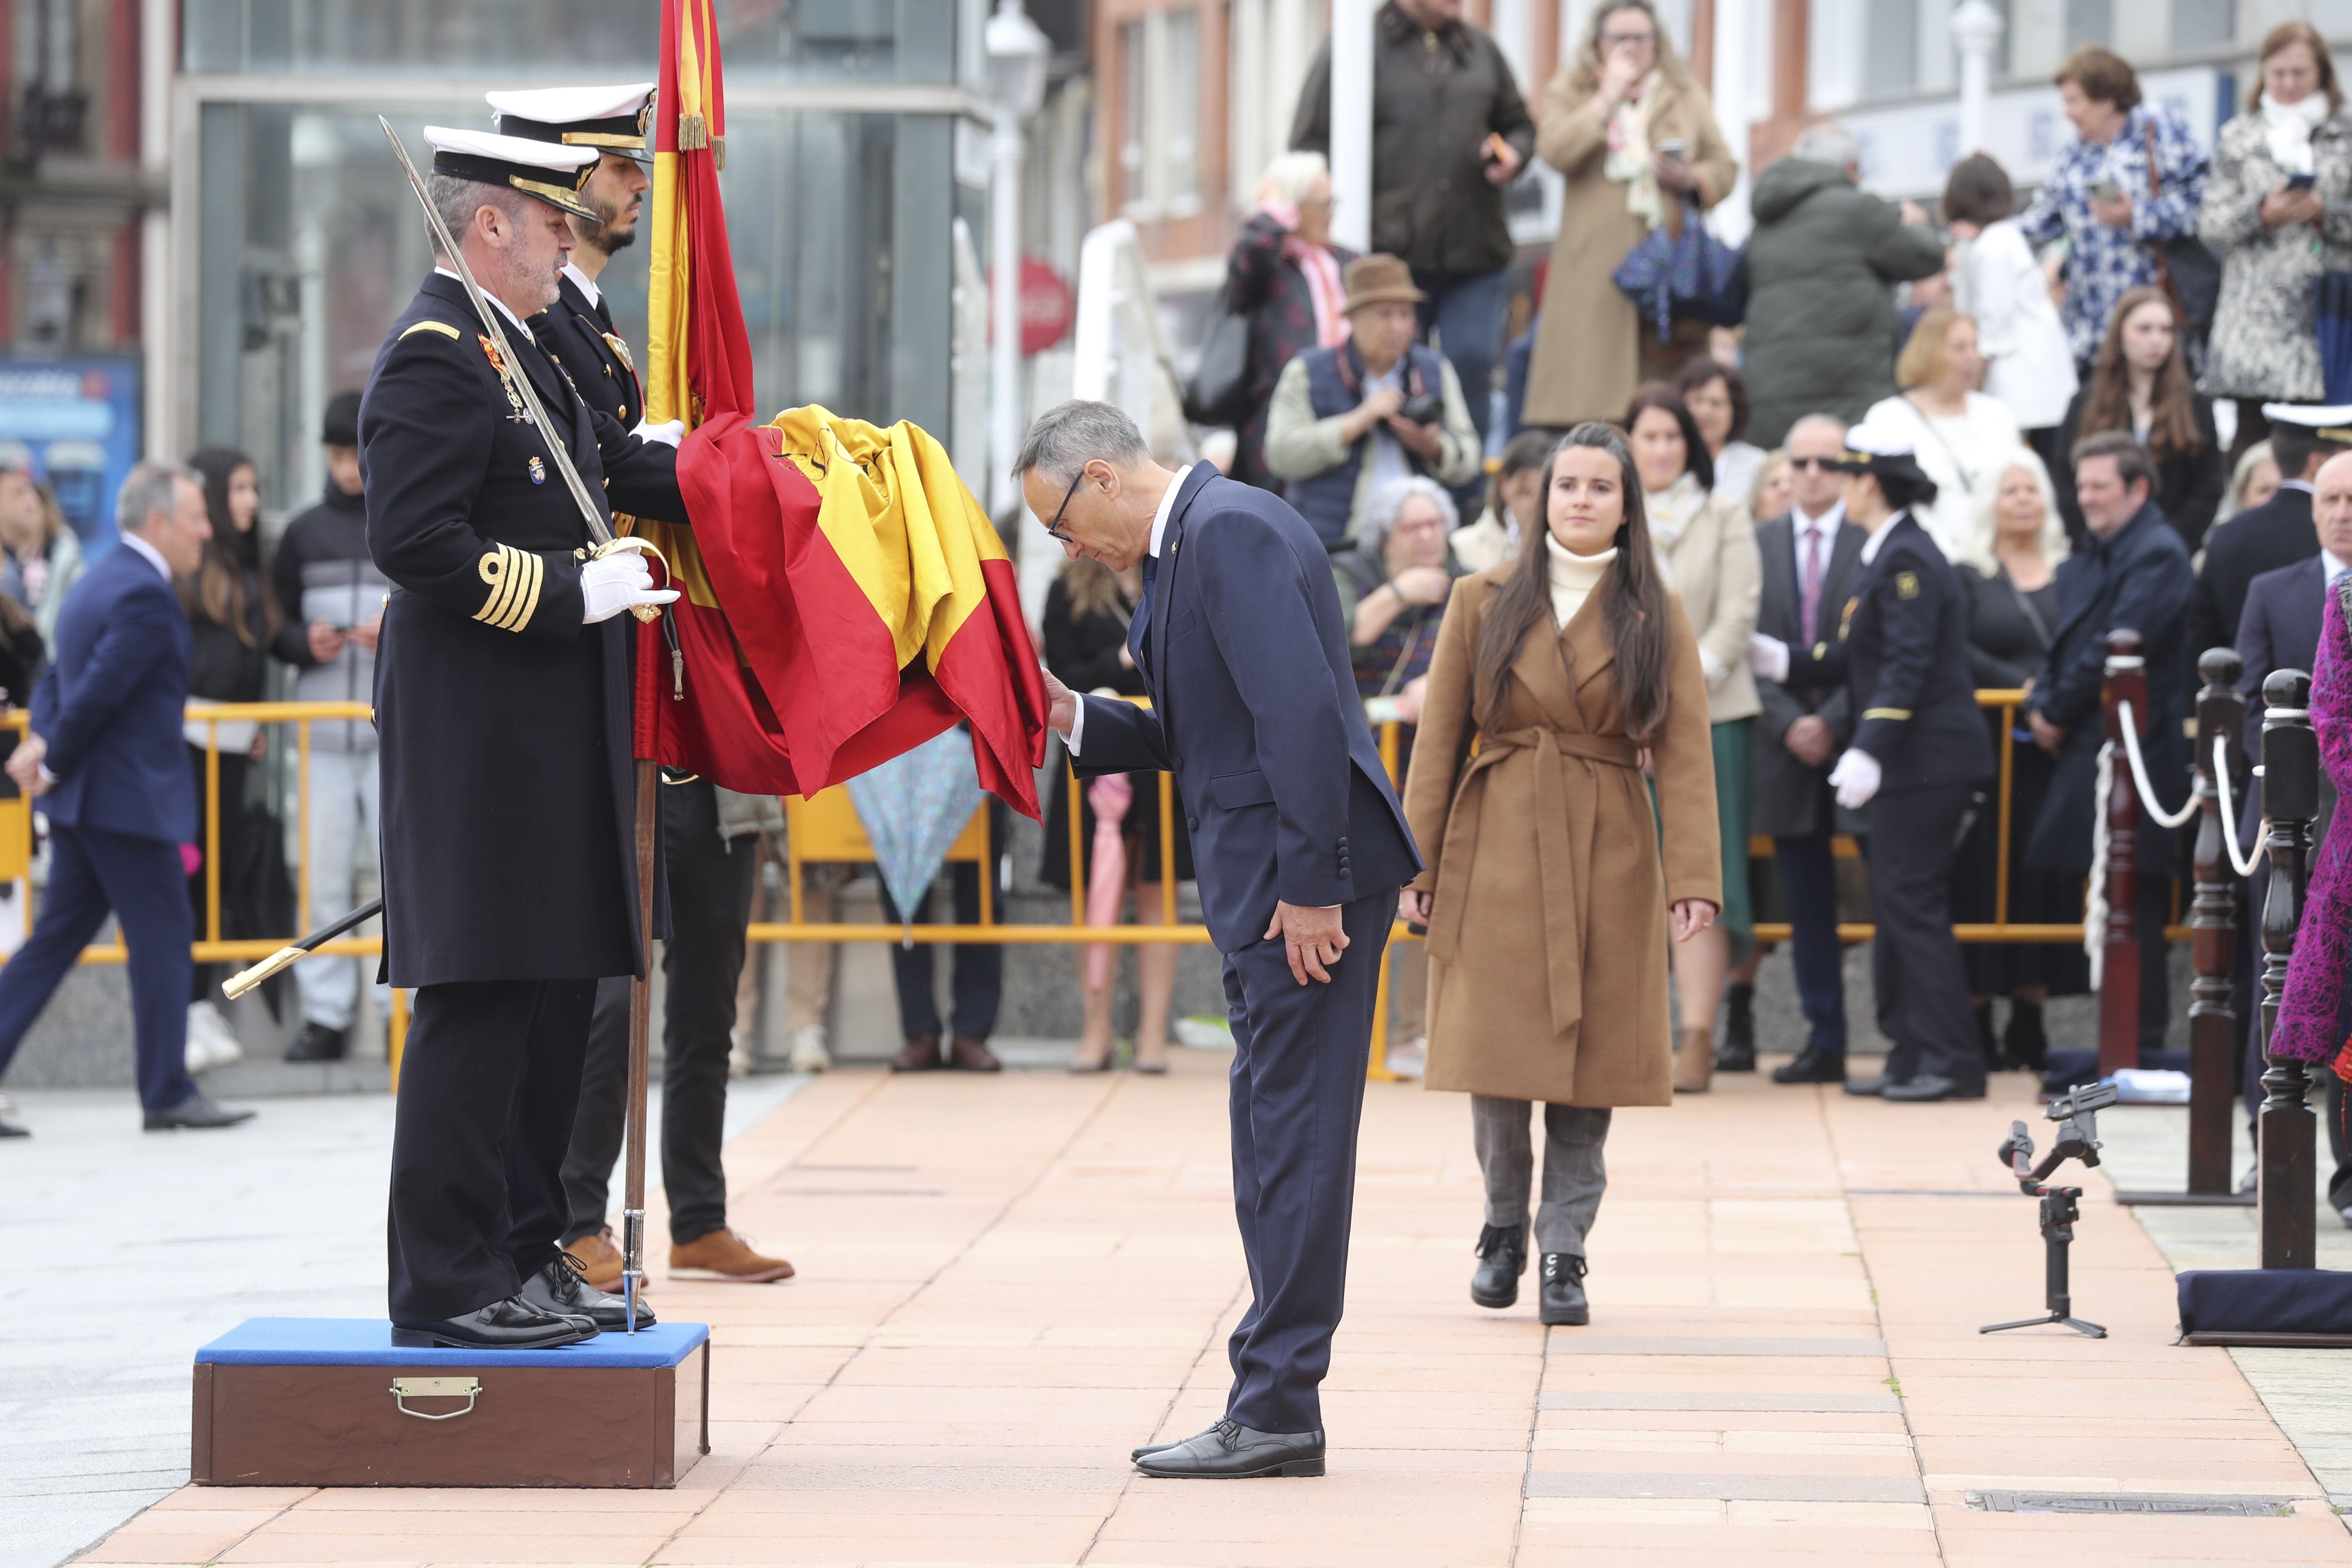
709	878
1918	755
502	700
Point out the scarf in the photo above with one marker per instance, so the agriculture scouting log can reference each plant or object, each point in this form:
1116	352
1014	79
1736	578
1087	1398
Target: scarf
1629	158
1325	289
2287	128
1670	512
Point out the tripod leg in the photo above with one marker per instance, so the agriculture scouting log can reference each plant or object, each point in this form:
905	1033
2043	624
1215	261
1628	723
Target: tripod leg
2041	1322
2080	1327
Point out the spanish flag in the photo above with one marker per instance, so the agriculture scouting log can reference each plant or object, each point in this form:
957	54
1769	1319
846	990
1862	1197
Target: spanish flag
844	597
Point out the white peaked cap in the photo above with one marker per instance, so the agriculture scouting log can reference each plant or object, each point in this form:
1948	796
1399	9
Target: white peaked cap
566	105
551	155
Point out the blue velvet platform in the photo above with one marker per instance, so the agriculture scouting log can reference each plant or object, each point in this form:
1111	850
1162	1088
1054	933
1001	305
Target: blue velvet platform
367	1342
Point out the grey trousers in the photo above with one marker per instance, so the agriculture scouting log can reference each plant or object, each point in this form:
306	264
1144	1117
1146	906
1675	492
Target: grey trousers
1573	1175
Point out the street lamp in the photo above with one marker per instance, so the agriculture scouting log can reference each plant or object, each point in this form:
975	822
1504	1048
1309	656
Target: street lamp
1976	32
1017	53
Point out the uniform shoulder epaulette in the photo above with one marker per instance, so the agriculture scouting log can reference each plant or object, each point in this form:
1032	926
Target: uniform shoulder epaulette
444	328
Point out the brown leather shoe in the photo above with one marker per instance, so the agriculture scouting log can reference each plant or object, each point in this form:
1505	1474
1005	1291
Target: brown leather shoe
1694	1063
599	1259
970	1053
724	1255
921	1055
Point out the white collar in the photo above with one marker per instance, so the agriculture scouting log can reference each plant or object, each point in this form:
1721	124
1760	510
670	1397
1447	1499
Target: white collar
1828	522
493	298
1167	507
2332	567
1878	536
154	556
2305	486
587	284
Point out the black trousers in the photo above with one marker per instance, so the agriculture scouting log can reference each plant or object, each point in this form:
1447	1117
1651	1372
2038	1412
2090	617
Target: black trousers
712	880
1914	963
489	1081
979	977
1298	1094
1808	866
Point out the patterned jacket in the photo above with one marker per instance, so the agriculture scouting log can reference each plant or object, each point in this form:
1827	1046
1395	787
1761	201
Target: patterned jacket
2104	262
2265	331
1264	284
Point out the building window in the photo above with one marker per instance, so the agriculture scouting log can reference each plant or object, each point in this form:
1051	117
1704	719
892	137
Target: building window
1891	61
1134	98
1180	109
2089	22
1160	114
2203	24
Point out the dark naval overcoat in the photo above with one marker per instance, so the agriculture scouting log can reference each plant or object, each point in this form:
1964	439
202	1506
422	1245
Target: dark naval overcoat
508	785
581	337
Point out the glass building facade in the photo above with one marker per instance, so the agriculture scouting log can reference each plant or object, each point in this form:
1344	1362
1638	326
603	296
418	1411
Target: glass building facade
855	142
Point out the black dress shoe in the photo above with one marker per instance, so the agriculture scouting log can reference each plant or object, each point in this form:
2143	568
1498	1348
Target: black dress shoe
1563	1301
10	1130
1230	1451
2251	1181
513	1324
2024	1043
1737	1052
1869	1087
1163	1447
318	1043
197	1110
1812	1064
1988	1048
1501	1258
562	1288
1927	1086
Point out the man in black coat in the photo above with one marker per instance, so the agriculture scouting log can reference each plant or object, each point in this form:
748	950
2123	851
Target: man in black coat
502	700
2132	573
1811	558
2266	537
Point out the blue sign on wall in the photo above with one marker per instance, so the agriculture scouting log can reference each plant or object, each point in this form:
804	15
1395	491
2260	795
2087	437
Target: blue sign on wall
74	423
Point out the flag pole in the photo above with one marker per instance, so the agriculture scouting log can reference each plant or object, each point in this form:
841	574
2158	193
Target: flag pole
641	1006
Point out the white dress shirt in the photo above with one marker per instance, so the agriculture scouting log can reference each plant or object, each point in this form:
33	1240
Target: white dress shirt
1878	535
1158	531
1826	525
587	284
494	299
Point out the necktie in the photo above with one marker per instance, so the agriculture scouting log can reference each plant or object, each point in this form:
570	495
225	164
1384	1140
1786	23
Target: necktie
1136	628
1810	600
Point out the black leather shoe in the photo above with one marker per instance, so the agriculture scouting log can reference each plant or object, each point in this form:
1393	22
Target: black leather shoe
1929	1086
10	1130
563	1289
1869	1087
2024	1043
513	1324
1501	1258
197	1110
1563	1301
1812	1064
318	1043
1737	1052
1230	1451
1163	1447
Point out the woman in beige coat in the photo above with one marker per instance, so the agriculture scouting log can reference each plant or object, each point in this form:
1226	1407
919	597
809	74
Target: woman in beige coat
1548	893
1610	123
1708	545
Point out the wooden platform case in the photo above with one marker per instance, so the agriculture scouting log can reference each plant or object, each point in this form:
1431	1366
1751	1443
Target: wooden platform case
330	1402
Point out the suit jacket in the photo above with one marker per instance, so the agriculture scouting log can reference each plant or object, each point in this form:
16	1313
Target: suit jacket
2279	629
111	703
1255	710
1787	794
2261	539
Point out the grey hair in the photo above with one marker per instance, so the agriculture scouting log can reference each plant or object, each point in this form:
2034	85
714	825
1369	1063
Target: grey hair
1292	172
457	200
1829	142
151	487
1380	513
1826	421
1069	435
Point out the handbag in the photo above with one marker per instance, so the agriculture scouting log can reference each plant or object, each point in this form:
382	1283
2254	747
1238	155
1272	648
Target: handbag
1218	393
1680	270
2188	273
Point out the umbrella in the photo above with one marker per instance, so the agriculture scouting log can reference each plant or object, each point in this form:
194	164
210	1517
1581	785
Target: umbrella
913	808
1110	795
2335	336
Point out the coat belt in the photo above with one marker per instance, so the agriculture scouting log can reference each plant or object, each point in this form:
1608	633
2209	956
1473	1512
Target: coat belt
1565	820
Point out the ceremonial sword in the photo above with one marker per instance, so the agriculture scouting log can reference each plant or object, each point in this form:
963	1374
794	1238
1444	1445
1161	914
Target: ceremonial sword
244	980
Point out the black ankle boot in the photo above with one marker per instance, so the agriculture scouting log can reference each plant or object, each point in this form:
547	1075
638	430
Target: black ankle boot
1986	1045
1501	1258
1563	1290
2024	1042
1737	1052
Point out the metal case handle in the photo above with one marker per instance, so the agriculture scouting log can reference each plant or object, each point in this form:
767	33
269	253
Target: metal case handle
407	1388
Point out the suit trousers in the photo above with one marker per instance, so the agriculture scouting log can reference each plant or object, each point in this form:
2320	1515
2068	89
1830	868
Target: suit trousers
1808	866
142	881
1574	1175
710	884
1915	963
344	821
1297	1096
488	1085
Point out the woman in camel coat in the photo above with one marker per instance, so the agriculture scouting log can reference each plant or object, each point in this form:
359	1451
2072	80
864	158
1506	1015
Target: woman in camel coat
1549	895
1605	119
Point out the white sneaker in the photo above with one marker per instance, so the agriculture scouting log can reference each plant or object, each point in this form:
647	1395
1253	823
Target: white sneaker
738	1052
210	1043
809	1054
1409	1060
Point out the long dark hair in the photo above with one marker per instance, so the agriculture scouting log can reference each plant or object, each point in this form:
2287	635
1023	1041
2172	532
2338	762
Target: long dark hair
2172	429
1697	461
1633	603
218	592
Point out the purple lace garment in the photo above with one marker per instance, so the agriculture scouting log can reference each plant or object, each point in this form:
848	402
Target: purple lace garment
2314	975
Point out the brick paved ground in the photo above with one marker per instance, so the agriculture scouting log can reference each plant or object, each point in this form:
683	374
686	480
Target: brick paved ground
1005	1283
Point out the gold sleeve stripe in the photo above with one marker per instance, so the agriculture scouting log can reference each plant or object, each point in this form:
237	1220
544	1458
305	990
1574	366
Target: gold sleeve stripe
1886	713
515	577
446	329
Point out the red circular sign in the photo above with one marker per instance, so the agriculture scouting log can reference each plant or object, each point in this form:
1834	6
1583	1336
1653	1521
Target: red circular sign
1048	306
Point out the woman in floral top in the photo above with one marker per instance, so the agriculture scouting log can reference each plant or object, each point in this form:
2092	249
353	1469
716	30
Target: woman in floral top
2098	195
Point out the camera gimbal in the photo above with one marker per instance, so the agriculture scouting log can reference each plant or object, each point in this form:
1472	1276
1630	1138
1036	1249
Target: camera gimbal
2076	1113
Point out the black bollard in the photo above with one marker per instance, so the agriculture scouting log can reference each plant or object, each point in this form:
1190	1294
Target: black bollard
2285	1205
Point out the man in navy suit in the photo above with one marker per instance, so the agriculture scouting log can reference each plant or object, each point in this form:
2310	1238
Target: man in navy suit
1301	850
106	759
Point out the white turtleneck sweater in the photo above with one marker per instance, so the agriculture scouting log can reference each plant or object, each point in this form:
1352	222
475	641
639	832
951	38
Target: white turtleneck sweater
1572	578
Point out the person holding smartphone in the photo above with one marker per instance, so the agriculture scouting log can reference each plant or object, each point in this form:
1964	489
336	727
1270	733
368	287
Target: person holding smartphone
2278	201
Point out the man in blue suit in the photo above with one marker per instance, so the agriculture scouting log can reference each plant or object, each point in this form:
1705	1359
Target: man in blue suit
106	759
1301	850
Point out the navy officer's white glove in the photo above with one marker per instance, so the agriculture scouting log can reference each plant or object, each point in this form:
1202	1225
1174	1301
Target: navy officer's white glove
669	432
1855	778
611	584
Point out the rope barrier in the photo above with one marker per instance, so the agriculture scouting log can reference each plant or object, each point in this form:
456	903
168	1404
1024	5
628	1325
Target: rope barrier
2243	866
2156	813
2095	901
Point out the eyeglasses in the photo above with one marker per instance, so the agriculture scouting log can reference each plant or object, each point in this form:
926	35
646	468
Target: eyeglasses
1628	41
1824	465
1054	528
